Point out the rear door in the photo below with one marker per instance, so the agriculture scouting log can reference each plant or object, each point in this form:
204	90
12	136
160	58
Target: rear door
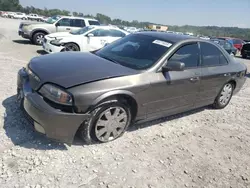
214	73
114	35
76	24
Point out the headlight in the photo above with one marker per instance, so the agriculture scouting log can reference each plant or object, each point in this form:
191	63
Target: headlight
56	94
30	73
56	42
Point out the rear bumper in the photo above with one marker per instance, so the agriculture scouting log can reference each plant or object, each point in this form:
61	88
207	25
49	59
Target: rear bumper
240	83
47	120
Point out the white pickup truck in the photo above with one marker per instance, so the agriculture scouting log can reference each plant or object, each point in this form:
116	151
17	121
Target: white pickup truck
35	17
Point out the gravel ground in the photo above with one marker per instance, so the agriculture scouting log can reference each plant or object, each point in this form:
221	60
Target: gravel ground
203	148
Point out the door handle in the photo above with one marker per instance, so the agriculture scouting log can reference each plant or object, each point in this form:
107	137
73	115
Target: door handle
194	79
67	28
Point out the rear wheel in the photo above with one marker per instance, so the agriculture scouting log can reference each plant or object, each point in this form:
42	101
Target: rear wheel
38	38
224	96
108	122
244	56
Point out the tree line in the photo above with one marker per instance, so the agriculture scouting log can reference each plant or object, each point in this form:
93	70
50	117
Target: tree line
14	5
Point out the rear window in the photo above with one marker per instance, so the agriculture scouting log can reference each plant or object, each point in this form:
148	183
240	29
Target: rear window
92	22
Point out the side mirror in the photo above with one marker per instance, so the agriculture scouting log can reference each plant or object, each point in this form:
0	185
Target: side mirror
57	24
173	66
106	44
90	35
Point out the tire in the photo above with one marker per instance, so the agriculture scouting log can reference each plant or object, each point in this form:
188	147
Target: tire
90	129
244	56
71	47
224	97
37	38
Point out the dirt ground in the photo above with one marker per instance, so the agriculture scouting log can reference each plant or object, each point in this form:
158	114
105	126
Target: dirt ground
204	148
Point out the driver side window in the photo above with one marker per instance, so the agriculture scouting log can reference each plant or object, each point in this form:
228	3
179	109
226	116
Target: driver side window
188	54
100	33
64	22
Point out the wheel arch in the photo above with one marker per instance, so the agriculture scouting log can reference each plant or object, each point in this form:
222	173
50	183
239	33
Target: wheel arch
124	96
39	30
71	42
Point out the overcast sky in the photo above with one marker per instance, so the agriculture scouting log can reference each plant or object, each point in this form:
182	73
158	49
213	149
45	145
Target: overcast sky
172	12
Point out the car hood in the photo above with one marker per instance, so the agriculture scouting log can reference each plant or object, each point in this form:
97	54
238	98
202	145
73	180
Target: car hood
34	23
68	69
59	35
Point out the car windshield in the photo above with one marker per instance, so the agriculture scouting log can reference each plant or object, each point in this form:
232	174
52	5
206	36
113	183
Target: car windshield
52	19
81	31
138	52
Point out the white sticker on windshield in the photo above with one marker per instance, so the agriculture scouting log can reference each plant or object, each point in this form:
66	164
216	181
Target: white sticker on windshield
163	43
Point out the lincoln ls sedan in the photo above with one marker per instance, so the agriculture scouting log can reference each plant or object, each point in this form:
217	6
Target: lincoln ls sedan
141	77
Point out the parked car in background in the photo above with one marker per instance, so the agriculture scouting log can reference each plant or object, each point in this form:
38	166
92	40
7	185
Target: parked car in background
35	17
20	15
238	43
4	14
89	38
245	51
132	29
226	45
143	76
35	32
11	14
204	37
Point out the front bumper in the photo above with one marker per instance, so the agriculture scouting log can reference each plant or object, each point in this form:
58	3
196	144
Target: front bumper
55	124
23	34
49	48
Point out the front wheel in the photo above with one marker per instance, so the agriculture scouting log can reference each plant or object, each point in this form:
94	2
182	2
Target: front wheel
71	47
38	38
224	96
108	122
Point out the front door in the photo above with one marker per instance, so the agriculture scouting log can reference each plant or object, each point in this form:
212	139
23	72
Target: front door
176	91
214	70
63	25
98	40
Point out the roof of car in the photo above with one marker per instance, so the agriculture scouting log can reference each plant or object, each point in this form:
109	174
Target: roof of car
74	17
171	37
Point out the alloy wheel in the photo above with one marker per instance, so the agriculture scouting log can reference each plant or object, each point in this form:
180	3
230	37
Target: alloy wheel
39	39
71	47
111	124
226	94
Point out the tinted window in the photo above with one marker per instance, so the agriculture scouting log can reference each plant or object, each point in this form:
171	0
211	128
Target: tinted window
81	31
227	45
116	33
77	23
246	47
211	55
237	41
101	33
135	51
91	22
64	22
188	54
